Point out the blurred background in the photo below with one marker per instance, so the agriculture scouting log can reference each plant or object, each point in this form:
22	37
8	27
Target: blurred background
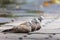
29	8
22	7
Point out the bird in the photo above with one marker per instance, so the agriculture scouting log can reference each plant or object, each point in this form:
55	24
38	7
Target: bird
26	27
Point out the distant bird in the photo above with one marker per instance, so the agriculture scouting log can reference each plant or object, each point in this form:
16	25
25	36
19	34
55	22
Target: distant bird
27	27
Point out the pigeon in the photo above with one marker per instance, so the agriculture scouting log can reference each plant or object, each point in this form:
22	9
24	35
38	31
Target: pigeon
26	27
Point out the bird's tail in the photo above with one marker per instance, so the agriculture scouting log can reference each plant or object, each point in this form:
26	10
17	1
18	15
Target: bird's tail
7	30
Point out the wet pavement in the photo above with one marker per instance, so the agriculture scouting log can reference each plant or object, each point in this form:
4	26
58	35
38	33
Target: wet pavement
19	36
43	34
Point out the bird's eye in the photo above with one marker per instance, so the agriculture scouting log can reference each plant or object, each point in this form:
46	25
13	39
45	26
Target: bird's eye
39	19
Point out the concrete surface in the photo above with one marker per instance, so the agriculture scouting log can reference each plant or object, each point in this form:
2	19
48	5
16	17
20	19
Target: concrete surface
50	31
